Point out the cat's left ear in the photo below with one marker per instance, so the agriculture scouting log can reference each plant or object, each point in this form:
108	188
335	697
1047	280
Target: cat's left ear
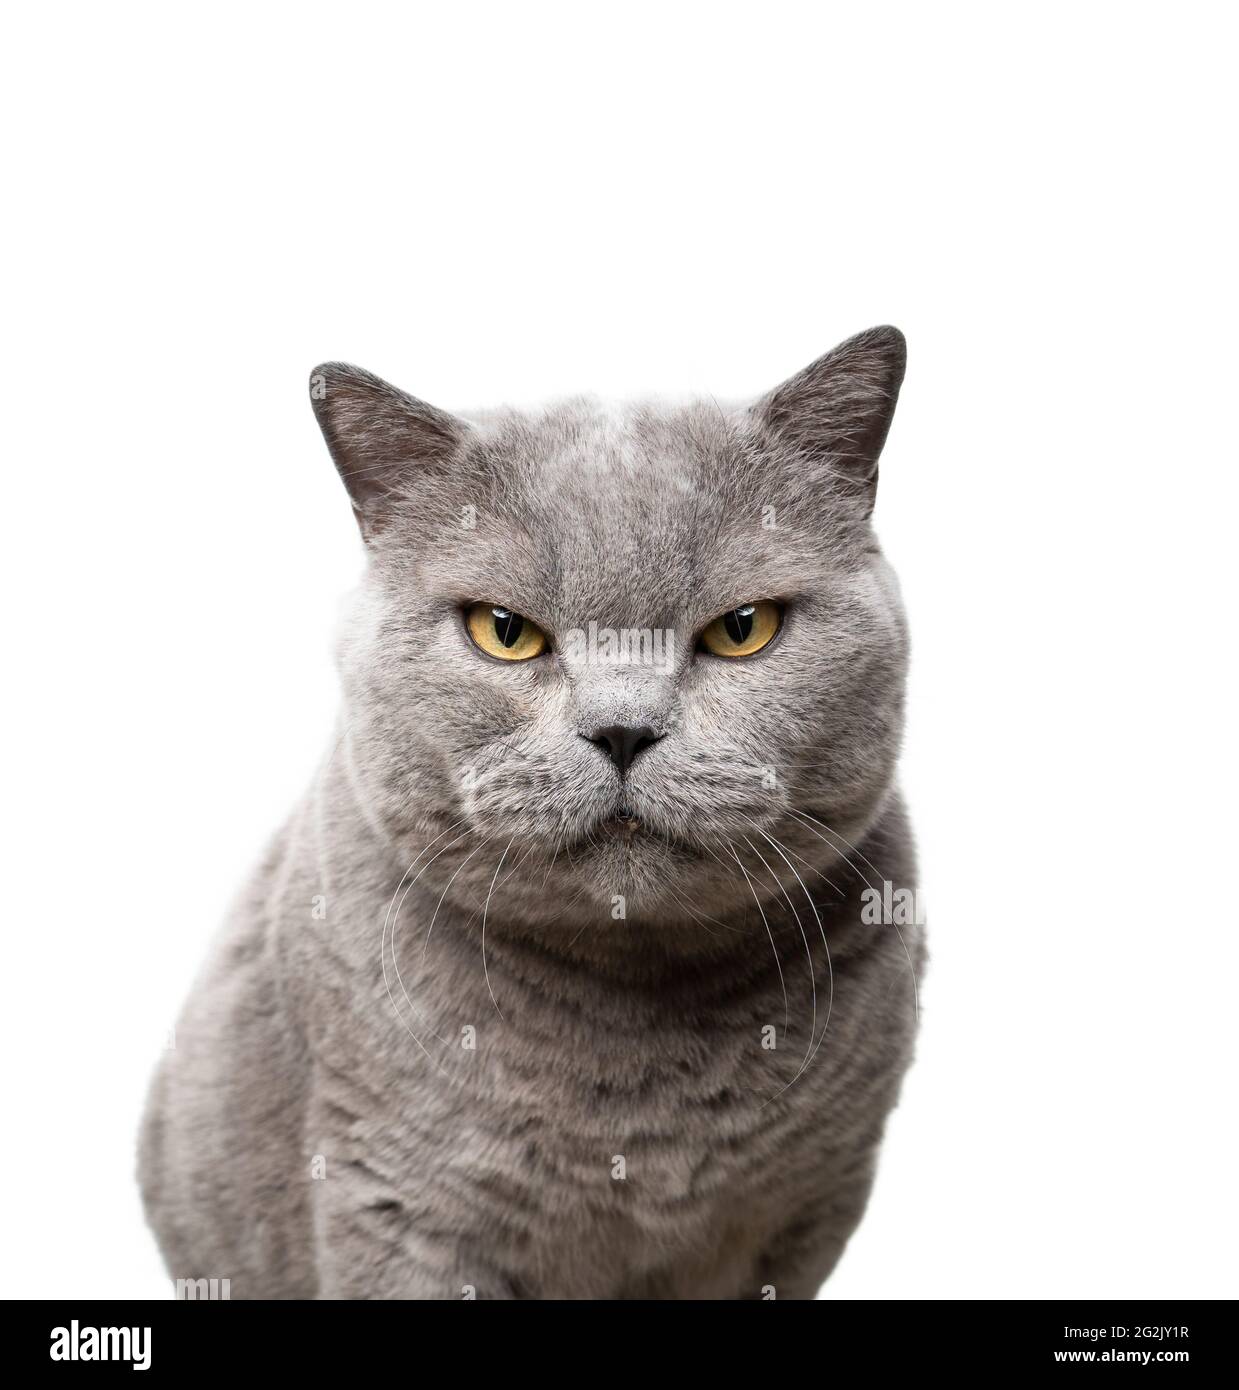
380	438
838	410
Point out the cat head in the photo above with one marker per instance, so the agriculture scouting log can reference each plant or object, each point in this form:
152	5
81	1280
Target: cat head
622	651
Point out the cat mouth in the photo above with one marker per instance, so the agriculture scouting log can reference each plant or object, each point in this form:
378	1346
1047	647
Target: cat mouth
625	824
628	829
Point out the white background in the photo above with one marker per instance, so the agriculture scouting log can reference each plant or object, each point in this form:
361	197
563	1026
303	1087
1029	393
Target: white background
488	203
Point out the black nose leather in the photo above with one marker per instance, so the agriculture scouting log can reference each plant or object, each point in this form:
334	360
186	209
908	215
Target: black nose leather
622	742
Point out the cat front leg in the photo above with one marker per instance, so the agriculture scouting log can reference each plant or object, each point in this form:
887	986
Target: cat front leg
802	1256
370	1244
384	1225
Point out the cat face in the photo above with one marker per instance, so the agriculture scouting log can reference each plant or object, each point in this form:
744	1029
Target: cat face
621	648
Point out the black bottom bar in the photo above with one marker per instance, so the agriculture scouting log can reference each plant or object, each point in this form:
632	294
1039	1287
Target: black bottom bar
221	1337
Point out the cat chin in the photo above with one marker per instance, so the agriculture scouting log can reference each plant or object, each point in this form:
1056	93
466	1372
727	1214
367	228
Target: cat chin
644	877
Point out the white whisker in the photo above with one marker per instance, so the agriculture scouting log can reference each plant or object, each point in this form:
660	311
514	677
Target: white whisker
485	910
916	1000
830	1002
443	895
778	963
808	957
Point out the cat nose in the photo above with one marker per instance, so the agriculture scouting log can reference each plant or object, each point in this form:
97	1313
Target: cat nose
622	742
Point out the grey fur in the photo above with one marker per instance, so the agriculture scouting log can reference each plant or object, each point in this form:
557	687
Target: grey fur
322	1127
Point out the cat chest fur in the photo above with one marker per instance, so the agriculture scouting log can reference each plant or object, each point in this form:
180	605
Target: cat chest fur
597	1146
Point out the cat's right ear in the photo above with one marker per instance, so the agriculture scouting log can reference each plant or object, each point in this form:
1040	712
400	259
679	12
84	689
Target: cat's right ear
380	438
837	411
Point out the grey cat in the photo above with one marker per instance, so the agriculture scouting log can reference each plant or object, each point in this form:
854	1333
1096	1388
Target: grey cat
579	971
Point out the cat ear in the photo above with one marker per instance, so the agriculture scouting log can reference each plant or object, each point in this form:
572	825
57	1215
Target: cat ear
379	436
838	410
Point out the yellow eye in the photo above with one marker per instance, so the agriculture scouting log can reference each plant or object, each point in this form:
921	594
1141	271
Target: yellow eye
744	630
504	634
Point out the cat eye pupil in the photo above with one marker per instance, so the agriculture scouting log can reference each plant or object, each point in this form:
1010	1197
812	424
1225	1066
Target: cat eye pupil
743	630
503	634
508	626
739	623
